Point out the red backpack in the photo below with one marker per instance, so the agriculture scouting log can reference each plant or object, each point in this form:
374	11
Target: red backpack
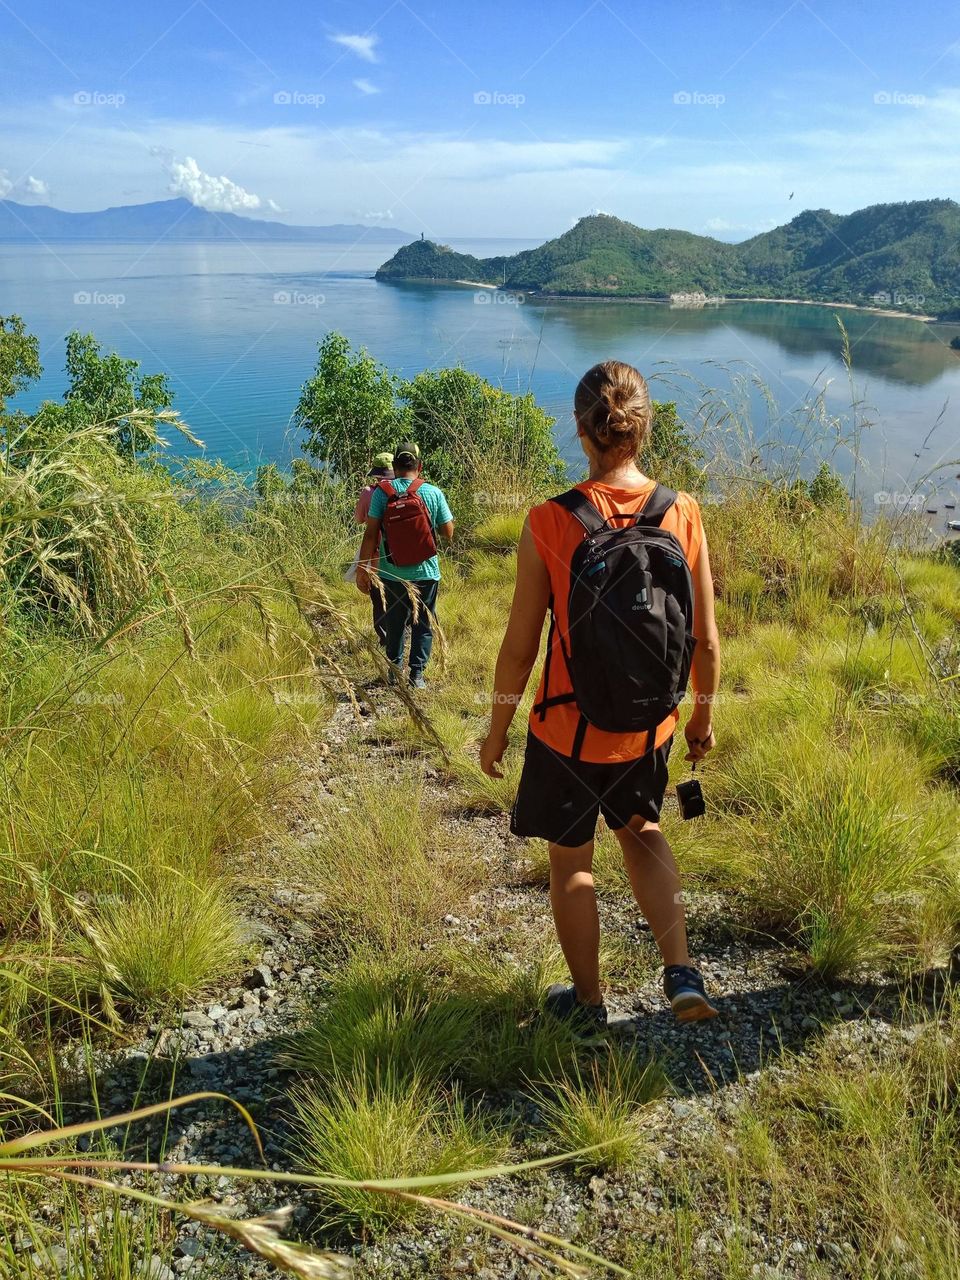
407	527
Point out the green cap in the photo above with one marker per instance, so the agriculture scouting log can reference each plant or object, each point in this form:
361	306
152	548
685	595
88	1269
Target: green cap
406	453
382	462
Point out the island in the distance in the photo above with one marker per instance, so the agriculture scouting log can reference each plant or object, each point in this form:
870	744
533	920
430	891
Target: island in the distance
173	220
905	257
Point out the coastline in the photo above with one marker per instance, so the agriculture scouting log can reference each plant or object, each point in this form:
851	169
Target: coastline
728	301
536	295
848	306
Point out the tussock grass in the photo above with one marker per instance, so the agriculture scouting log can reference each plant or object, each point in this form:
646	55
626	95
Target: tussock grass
873	1146
600	1103
170	940
845	844
385	1015
458	1016
388	869
499	532
362	1129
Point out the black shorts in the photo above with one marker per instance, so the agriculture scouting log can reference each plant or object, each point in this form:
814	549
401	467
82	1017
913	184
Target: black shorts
558	798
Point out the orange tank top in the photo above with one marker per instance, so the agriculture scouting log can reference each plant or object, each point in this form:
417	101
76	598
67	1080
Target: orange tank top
556	534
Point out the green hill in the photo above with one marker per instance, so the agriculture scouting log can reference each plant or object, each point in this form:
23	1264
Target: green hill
906	255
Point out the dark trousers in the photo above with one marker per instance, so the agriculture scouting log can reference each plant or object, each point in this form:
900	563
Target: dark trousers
399	616
379	615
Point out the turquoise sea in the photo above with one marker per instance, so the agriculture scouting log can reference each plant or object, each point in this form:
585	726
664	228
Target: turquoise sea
236	327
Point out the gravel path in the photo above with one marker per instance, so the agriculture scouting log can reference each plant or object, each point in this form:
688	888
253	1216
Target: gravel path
230	1045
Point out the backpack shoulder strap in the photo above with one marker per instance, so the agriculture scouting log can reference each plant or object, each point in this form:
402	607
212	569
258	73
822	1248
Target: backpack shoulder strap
656	507
386	486
414	485
582	509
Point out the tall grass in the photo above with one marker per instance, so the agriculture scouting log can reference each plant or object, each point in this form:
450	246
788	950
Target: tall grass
172	646
387	868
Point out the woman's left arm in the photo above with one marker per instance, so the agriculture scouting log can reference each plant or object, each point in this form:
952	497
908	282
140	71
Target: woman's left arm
518	652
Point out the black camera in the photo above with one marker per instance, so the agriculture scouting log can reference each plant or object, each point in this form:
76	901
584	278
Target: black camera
690	799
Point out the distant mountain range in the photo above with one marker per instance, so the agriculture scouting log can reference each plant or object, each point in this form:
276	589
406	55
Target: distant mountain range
903	256
173	220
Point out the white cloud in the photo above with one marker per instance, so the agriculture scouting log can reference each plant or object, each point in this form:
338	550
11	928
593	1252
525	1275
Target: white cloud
219	195
379	215
363	46
29	188
485	184
35	187
365	86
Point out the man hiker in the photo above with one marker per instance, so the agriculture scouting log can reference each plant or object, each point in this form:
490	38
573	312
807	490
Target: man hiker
405	516
382	469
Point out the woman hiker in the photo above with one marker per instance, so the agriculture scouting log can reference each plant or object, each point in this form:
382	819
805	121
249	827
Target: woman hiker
572	769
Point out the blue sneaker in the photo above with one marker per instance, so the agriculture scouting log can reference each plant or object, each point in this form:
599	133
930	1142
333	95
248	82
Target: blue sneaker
588	1021
683	987
417	681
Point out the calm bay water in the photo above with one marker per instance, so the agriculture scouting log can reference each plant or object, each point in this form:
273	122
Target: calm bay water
235	327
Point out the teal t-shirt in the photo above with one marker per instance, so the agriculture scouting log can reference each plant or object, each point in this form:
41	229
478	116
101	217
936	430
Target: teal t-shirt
436	504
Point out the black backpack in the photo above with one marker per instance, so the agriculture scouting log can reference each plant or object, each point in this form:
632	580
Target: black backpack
630	640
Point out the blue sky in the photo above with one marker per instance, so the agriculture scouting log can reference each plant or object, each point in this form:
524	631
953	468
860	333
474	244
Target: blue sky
467	119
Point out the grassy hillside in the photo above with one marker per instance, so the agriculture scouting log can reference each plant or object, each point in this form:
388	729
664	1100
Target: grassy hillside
181	654
906	255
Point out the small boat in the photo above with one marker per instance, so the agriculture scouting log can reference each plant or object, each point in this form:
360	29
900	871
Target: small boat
931	511
953	526
949	506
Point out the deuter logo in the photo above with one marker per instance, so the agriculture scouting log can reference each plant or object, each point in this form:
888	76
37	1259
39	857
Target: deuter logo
641	601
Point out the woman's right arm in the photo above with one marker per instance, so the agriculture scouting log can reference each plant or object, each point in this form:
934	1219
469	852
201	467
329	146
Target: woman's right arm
518	652
705	671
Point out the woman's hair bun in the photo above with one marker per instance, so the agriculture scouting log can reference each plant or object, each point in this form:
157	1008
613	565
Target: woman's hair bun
612	407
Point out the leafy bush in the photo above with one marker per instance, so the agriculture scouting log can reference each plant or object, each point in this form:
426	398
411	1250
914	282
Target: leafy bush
347	409
670	454
353	407
467	428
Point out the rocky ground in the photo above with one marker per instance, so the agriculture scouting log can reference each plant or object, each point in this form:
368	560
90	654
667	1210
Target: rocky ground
230	1044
